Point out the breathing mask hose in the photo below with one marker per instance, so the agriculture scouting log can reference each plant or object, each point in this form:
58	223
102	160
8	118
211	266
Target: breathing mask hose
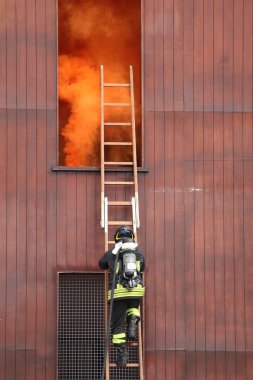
110	315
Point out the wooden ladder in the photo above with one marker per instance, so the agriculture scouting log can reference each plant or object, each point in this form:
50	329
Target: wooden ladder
132	203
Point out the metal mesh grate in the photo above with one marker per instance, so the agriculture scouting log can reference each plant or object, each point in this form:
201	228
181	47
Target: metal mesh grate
80	325
81	330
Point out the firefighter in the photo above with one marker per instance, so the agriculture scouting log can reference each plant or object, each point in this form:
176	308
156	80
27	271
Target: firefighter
128	289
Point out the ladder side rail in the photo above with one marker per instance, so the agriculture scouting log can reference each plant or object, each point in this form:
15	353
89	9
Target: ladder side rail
106	285
106	222
107	364
140	351
135	206
134	147
102	222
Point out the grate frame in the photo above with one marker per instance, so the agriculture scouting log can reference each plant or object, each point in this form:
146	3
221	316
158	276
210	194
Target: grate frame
72	354
79	350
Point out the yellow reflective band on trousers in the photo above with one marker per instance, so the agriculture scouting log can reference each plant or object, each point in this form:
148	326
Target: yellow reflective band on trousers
121	292
119	338
133	311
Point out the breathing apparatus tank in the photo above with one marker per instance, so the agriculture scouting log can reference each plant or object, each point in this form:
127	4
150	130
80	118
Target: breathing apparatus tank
129	274
129	265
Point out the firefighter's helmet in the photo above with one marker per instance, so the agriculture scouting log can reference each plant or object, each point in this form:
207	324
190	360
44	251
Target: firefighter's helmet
123	232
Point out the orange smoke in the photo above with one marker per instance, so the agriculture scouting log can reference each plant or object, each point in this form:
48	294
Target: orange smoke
92	33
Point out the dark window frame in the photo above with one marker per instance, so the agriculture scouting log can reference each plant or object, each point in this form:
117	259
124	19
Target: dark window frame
57	167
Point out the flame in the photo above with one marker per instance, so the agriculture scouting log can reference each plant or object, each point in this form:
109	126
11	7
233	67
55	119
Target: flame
92	33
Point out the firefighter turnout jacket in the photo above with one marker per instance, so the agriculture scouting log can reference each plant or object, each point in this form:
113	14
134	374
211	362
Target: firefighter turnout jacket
121	291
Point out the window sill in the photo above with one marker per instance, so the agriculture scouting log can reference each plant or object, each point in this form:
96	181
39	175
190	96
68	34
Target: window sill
94	169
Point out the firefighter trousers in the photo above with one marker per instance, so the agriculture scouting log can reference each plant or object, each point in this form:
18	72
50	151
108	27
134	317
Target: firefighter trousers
120	311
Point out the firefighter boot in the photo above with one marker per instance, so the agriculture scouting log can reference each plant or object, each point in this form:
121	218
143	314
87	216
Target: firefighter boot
122	355
132	326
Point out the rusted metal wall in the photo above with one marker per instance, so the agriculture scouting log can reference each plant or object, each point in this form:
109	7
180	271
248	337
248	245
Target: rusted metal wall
196	200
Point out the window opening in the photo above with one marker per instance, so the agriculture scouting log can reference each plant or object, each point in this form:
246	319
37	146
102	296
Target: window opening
92	33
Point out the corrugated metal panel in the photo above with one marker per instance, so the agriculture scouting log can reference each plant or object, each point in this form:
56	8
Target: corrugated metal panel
196	212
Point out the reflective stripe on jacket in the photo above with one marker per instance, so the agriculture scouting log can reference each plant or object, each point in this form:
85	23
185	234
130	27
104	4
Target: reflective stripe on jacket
120	292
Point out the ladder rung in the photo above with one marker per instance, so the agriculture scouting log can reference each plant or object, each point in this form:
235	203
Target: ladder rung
133	365
119	203
118	163
119	183
117	104
119	123
116	84
117	143
128	343
132	344
111	242
119	222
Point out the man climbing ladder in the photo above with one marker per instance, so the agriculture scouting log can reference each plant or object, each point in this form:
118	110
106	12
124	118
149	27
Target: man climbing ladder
128	288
